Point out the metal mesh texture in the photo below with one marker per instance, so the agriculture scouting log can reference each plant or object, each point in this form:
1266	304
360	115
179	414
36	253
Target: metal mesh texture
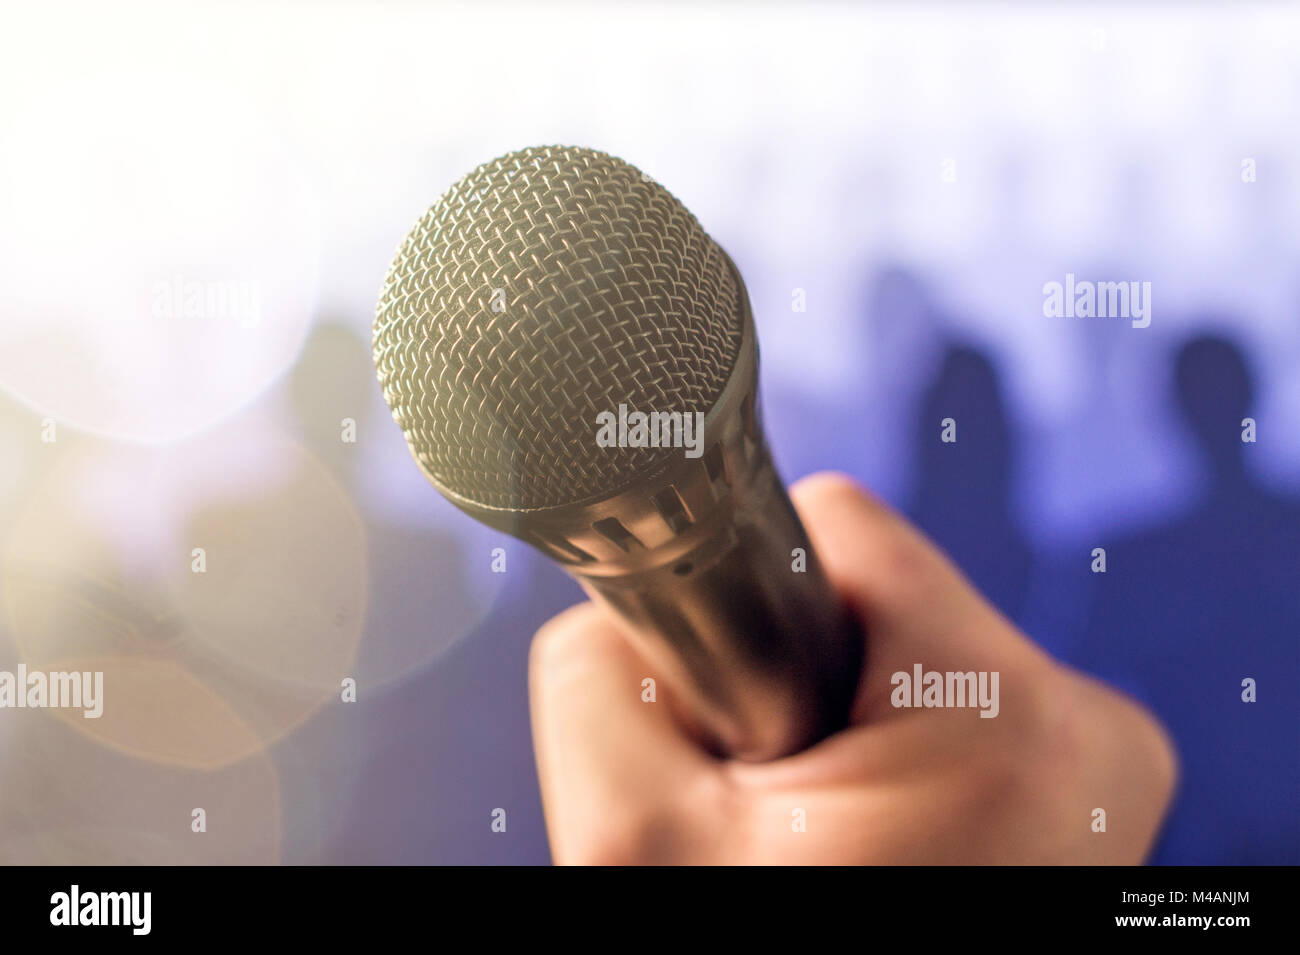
543	288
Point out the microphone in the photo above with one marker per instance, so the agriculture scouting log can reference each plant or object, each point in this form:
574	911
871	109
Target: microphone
573	361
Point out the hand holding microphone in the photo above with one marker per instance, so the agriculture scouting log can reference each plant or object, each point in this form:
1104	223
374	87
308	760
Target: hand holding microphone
550	293
623	783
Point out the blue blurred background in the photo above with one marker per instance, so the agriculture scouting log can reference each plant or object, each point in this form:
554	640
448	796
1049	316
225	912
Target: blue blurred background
197	206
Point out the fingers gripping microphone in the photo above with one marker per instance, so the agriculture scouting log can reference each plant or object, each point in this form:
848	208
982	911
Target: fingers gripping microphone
573	362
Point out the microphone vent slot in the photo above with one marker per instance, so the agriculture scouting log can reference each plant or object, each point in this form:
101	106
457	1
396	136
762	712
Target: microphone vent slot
747	417
749	427
672	509
616	534
561	549
716	465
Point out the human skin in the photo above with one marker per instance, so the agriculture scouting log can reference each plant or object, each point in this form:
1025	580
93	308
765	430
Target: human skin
624	782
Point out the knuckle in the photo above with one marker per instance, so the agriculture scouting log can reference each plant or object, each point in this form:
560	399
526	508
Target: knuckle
562	637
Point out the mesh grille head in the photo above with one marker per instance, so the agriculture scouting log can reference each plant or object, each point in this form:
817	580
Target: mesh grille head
545	287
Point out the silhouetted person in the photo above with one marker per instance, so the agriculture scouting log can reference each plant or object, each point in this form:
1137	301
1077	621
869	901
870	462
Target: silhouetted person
962	487
1215	392
1183	615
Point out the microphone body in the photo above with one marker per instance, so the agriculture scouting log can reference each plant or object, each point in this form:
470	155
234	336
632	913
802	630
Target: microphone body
555	286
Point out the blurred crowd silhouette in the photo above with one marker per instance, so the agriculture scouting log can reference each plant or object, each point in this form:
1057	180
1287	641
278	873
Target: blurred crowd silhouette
1187	616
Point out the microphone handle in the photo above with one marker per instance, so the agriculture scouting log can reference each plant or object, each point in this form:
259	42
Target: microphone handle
762	655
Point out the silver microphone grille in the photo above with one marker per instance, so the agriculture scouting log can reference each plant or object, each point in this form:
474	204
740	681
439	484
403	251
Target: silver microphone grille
543	288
